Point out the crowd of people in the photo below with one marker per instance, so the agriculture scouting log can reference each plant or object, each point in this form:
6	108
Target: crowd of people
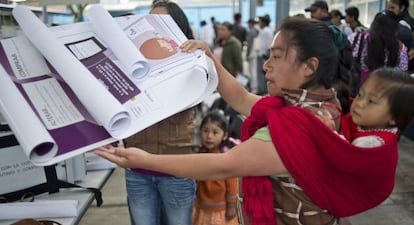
330	82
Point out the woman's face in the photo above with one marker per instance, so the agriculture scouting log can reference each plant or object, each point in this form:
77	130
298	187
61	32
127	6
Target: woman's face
223	32
282	70
336	20
395	8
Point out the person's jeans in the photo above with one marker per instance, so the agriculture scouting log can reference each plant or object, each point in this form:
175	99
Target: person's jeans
146	192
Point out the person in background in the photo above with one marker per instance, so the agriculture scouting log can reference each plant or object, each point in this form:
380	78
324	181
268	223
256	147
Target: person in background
406	35
252	49
238	30
381	46
207	33
406	23
172	9
229	49
216	199
324	185
352	18
336	19
319	10
161	198
264	39
215	25
378	112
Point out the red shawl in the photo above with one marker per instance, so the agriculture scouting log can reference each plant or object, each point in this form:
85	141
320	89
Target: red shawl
337	176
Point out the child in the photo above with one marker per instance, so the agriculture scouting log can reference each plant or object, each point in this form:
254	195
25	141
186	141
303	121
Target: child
382	108
215	199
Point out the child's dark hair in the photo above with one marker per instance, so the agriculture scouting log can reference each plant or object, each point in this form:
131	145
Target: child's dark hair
218	116
398	87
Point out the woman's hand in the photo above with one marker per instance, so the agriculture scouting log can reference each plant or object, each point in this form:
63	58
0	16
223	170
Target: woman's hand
124	157
193	45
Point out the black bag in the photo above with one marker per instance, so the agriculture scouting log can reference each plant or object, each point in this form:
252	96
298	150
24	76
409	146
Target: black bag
356	65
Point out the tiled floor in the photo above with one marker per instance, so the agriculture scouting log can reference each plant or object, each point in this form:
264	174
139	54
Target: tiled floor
398	209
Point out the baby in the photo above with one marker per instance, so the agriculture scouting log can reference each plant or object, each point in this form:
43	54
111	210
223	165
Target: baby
382	108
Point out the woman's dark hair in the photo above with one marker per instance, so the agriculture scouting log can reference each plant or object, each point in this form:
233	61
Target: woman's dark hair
383	45
336	13
312	38
265	20
228	25
401	3
177	14
398	87
352	11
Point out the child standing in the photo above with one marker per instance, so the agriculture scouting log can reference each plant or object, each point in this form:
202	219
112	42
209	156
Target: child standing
382	108
215	202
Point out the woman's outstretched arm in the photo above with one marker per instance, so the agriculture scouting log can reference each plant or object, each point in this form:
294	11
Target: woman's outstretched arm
253	157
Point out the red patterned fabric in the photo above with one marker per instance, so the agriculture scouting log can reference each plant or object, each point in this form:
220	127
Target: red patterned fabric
337	176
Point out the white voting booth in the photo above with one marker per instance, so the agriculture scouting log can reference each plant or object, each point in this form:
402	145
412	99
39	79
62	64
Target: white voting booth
30	191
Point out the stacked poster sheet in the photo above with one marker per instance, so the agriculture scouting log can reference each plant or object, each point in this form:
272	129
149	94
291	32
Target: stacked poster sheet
68	89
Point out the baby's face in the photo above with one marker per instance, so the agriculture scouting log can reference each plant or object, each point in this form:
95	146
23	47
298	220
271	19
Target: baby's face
370	108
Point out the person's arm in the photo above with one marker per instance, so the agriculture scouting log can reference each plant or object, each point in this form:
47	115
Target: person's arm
231	91
253	157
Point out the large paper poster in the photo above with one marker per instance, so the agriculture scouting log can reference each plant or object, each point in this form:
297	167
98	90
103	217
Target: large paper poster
68	89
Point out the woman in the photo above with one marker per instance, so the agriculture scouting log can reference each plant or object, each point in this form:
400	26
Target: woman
380	46
406	25
400	9
321	184
229	49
